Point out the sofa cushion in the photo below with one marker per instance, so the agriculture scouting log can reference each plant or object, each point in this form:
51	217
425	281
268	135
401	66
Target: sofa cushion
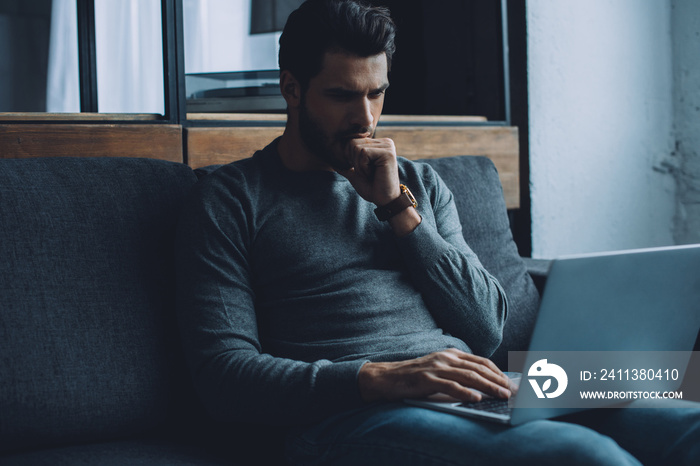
482	211
87	330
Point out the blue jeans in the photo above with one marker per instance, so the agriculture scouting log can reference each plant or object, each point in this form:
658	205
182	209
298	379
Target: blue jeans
397	434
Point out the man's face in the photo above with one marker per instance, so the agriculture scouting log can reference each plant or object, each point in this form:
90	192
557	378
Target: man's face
344	101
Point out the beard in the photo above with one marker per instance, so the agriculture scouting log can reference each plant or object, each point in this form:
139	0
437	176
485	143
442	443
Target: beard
329	148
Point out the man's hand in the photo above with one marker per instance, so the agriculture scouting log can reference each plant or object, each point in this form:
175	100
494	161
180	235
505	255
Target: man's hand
374	173
451	372
375	177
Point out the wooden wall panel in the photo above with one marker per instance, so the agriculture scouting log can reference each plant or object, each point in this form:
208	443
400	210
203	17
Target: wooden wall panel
498	143
219	145
91	140
213	146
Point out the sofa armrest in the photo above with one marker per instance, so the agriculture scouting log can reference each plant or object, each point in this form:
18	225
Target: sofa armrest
538	270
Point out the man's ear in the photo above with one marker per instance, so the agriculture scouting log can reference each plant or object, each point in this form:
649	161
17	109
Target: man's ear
290	88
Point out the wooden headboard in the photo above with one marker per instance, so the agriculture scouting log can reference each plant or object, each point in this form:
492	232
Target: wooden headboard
201	146
219	145
91	140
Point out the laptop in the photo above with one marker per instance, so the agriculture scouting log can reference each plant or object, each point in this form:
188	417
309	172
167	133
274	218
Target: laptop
633	302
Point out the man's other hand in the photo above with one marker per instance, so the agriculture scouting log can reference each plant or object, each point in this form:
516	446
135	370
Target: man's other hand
451	372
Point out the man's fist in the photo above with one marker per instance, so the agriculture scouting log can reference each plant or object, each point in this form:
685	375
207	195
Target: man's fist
374	173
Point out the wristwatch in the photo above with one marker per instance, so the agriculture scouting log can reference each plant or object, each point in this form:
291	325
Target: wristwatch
401	203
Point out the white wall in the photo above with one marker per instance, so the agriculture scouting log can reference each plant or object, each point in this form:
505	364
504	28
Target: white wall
601	125
686	166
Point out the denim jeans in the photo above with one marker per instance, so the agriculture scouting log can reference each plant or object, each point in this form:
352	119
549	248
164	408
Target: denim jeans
397	434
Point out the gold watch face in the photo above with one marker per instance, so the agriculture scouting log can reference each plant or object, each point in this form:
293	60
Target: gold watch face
404	189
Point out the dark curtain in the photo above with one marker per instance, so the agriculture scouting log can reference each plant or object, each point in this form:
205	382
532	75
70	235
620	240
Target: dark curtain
24	54
270	15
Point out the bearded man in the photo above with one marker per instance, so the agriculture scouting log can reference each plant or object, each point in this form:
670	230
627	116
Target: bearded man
325	279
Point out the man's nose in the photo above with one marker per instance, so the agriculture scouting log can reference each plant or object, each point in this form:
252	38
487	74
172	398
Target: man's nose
362	114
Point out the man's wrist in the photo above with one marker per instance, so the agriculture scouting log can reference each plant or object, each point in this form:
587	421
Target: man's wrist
401	214
398	204
366	382
405	222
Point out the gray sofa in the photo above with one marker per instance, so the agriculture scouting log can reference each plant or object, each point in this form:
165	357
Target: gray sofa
90	365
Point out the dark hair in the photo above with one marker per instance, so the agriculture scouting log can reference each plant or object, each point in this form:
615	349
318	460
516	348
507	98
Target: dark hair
318	26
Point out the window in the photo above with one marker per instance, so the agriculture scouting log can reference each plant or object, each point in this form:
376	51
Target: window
40	56
230	68
129	49
450	57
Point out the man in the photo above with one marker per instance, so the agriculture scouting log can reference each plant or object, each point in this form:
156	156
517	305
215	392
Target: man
325	279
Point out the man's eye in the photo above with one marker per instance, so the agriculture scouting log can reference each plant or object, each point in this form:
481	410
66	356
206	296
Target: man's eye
376	95
342	97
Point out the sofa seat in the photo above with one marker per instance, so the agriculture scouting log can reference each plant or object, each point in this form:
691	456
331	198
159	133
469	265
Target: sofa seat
139	452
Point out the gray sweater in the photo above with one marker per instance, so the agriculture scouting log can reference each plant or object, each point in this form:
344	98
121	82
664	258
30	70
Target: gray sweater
288	284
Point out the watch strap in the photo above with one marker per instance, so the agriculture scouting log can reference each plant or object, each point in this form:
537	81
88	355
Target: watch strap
401	203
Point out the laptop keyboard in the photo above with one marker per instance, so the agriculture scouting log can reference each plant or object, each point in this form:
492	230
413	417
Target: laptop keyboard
496	406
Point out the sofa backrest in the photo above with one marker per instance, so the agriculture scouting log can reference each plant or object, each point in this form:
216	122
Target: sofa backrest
87	329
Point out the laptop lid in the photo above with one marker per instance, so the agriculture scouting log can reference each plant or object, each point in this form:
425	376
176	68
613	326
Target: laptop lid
624	301
633	302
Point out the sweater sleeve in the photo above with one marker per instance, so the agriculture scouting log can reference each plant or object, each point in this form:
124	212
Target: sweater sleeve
235	380
465	300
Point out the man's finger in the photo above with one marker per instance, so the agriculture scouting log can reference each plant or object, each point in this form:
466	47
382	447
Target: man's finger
476	381
483	366
457	391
